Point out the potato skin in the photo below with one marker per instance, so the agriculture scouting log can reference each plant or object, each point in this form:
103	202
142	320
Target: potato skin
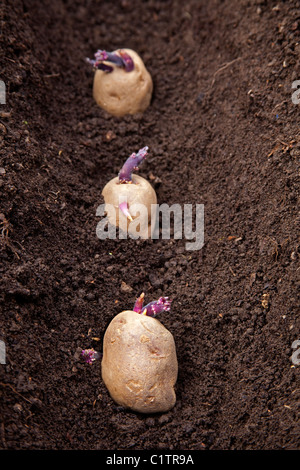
139	364
120	92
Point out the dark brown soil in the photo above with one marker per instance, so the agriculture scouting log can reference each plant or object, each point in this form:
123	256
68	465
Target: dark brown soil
222	131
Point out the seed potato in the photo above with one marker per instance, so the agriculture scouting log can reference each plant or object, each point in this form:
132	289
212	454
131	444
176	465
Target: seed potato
139	364
139	192
121	92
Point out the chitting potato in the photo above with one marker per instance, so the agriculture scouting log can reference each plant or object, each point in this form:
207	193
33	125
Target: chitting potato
130	200
122	84
139	363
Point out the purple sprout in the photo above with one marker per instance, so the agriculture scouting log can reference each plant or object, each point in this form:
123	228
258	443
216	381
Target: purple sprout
125	209
132	163
163	304
127	60
90	355
139	303
122	60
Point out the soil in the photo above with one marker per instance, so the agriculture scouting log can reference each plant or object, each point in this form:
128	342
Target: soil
222	131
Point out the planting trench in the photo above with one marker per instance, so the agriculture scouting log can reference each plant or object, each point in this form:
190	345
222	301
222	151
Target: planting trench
222	131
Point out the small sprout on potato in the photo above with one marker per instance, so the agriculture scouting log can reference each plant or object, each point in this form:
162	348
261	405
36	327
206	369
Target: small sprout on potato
90	355
122	60
124	208
131	164
154	308
139	303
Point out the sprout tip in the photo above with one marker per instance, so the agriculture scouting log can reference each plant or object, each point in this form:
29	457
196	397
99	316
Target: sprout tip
131	164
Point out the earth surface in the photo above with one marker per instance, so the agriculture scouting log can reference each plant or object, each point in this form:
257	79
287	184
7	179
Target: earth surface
223	131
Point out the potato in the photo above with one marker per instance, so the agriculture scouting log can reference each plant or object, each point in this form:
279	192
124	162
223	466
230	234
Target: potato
139	364
139	192
121	92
